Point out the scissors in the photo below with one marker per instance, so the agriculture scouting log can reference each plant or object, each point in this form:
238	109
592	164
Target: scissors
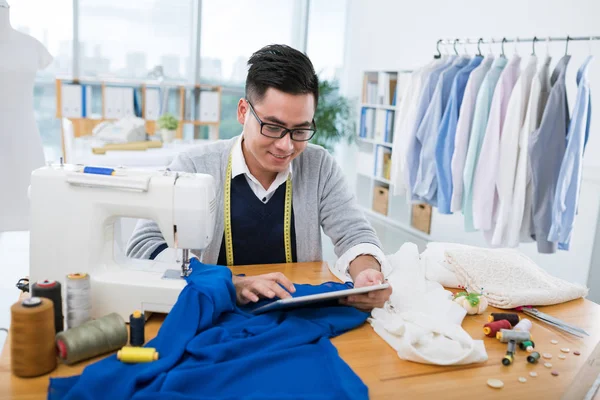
555	322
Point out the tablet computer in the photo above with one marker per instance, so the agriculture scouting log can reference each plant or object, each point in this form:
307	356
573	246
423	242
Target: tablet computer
295	302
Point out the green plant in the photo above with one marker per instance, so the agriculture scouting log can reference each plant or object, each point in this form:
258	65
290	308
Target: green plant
334	117
167	121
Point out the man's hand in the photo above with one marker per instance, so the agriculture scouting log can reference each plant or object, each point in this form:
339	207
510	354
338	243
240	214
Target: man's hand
252	288
365	271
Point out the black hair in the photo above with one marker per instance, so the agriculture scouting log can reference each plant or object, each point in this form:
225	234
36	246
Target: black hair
283	68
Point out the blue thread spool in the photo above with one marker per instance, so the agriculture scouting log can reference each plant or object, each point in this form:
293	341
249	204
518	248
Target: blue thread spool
136	328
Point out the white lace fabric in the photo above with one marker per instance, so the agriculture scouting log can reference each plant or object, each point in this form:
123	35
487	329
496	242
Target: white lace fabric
508	278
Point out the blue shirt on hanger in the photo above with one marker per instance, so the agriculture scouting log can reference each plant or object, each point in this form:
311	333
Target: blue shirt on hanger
546	152
209	348
426	182
445	141
414	148
566	199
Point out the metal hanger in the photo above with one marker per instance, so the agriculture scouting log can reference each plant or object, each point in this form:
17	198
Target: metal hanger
479	47
533	45
567	46
503	41
455	51
437	46
590	45
548	46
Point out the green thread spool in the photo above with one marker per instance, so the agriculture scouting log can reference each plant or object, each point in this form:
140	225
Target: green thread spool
533	357
92	339
528	345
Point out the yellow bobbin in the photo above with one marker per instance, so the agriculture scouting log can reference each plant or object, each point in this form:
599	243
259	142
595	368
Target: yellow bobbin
490	318
137	354
487	330
77	276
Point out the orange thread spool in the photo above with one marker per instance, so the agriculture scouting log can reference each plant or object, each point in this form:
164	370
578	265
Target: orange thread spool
33	352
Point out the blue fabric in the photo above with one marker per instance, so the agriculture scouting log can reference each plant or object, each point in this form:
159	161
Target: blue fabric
211	349
547	148
257	227
414	150
569	178
426	183
445	143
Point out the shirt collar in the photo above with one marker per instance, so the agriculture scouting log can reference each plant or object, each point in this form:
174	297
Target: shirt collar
239	166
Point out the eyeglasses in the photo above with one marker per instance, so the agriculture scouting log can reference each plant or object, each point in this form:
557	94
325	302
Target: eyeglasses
277	131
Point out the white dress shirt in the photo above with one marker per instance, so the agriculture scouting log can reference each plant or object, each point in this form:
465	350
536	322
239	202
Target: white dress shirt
519	225
509	149
484	187
463	130
340	269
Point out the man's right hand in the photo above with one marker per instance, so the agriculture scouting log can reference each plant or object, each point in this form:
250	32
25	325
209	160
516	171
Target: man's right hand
253	288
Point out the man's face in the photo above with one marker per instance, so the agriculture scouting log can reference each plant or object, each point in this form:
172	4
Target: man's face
279	108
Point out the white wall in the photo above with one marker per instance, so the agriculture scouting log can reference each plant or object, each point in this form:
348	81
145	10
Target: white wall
397	35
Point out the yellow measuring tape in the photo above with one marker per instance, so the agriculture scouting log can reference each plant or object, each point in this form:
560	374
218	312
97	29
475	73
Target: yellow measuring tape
287	218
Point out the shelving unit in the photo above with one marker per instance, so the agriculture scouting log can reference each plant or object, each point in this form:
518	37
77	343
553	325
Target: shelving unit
381	93
182	100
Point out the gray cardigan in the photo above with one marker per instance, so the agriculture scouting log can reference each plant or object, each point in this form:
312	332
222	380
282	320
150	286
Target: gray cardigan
320	197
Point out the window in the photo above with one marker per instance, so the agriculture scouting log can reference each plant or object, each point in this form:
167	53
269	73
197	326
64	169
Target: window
325	41
128	39
52	25
232	29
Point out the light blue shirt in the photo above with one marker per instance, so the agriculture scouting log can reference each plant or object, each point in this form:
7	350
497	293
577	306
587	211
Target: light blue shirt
546	151
445	142
564	208
480	118
426	182
414	149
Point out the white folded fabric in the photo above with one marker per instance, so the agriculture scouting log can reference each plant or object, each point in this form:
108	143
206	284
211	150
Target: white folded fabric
508	278
420	321
436	267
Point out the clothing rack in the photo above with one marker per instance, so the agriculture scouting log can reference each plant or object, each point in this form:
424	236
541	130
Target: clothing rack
479	41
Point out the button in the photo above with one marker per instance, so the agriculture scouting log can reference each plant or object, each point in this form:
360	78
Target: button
565	350
264	199
495	383
522	379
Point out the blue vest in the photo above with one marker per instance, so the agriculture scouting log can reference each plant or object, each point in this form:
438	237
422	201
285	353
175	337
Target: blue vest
257	227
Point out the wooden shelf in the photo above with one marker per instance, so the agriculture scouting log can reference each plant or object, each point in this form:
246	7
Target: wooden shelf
377	142
396	224
200	123
381	106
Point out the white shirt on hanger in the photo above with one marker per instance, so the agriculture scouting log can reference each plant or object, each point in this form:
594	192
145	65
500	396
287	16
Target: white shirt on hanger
519	224
509	149
484	185
463	130
405	127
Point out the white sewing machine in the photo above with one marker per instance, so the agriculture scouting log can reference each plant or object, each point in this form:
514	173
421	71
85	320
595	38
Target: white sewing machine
72	230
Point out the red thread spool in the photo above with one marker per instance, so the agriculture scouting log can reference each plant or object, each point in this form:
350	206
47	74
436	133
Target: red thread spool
491	328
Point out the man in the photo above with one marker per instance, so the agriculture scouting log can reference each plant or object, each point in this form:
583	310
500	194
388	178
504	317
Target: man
282	190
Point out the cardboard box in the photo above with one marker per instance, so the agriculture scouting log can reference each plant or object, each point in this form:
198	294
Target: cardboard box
380	199
421	217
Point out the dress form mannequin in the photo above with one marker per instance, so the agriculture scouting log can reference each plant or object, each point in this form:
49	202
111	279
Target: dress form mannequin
21	56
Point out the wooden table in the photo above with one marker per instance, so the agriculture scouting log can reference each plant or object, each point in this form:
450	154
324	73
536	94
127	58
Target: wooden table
389	377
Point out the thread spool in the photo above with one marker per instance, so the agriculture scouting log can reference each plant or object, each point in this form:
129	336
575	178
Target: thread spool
508	359
32	337
510	317
506	335
51	290
524	325
137	354
136	328
533	357
78	299
528	345
491	328
92	338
